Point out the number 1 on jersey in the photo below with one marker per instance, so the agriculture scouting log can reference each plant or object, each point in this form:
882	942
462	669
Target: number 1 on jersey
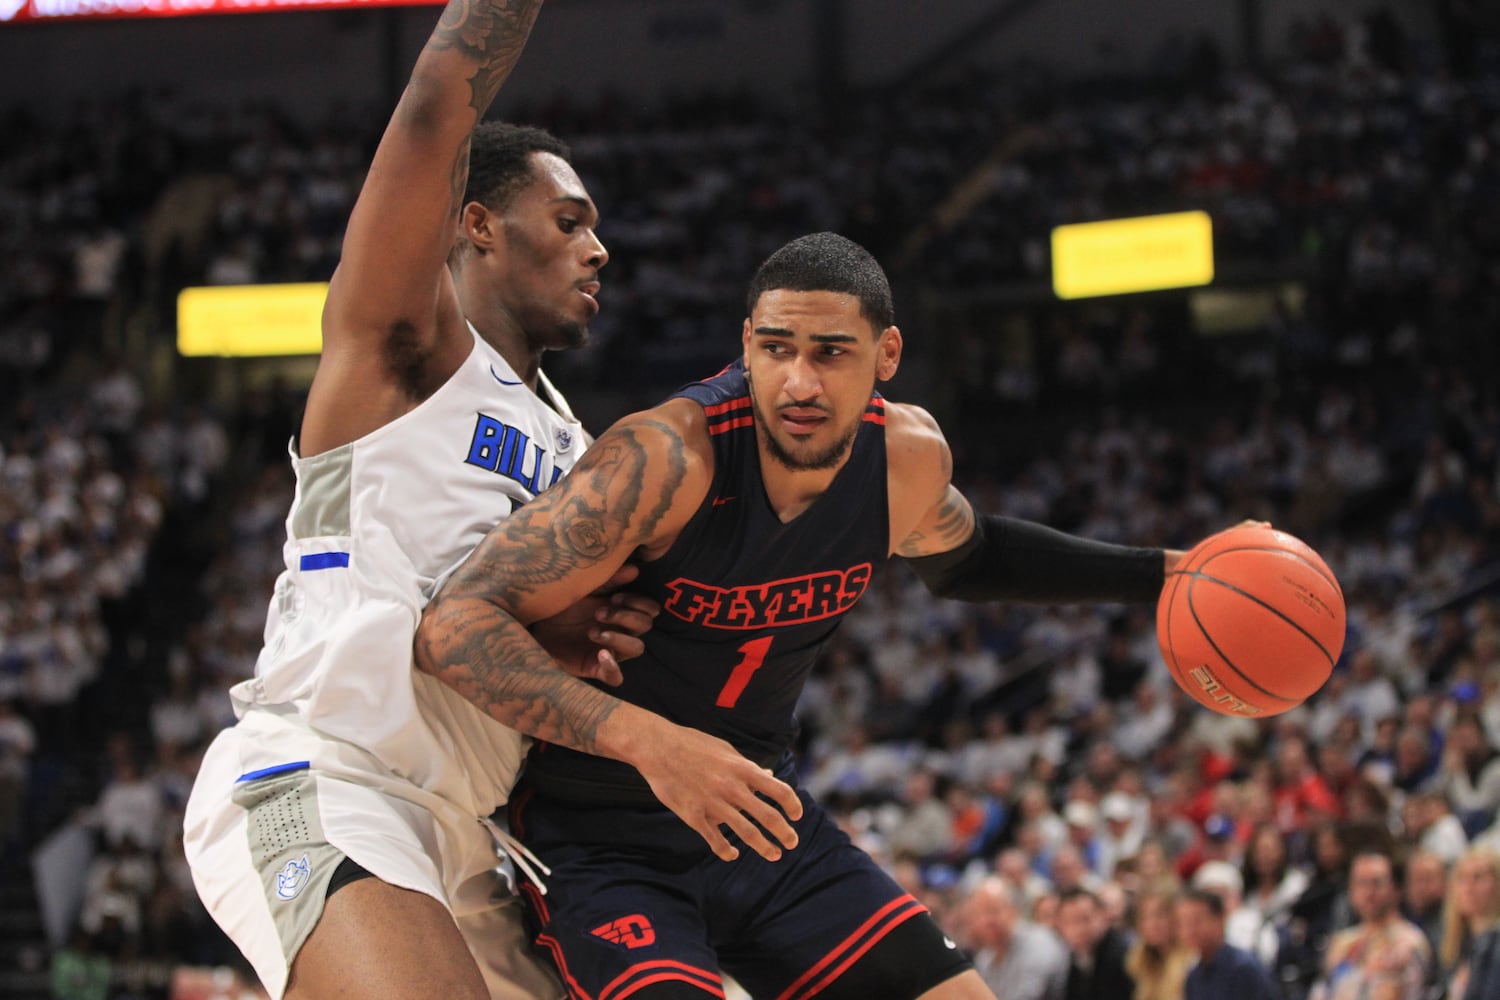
755	654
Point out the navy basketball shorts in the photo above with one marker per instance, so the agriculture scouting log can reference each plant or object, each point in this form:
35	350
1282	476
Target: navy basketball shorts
637	905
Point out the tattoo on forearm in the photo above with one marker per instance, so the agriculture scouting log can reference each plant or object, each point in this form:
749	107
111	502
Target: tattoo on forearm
492	34
614	499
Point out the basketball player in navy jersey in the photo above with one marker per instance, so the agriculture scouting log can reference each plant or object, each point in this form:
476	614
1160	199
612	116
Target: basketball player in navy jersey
758	502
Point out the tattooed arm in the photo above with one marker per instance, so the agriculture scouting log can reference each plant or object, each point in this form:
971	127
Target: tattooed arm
630	493
392	326
928	515
960	554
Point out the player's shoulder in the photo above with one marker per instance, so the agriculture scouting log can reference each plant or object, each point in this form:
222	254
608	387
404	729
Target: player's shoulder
913	439
674	432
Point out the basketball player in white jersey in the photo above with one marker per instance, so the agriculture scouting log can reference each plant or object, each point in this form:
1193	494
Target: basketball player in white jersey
337	831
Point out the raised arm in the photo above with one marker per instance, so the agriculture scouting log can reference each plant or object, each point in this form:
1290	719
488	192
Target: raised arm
392	326
631	492
404	221
985	557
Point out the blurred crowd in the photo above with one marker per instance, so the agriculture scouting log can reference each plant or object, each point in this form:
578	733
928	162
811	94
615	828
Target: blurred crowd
1032	774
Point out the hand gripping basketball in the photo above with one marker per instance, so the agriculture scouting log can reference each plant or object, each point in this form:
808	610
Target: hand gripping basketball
1251	621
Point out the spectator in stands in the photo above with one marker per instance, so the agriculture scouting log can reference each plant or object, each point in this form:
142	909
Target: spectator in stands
1471	772
1216	843
1484	968
1301	795
1272	882
1018	959
1156	961
1014	865
1096	951
1472	910
1384	954
1424	893
1082	819
1244	927
17	741
1223	972
1432	827
1123	831
1322	910
925	828
130	805
1416	769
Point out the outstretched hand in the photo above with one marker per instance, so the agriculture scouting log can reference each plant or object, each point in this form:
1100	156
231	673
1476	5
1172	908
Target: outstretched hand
710	785
598	633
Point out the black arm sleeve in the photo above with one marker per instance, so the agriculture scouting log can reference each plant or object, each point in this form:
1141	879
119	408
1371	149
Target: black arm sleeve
1011	560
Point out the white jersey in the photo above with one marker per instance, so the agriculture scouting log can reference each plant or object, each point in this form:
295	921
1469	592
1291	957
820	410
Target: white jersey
375	527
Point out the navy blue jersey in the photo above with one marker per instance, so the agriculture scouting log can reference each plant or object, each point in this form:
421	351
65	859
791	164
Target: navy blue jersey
748	602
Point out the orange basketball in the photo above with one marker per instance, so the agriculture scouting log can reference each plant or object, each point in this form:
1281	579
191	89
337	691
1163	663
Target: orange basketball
1251	621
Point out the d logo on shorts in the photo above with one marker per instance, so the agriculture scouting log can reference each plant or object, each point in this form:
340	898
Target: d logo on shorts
291	879
634	931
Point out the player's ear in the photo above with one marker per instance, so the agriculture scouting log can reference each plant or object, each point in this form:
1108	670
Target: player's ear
477	226
888	354
745	339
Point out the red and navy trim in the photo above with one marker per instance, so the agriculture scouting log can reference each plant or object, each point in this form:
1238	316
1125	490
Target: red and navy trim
834	964
729	416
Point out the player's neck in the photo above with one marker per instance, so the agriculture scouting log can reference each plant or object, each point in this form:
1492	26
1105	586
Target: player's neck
501	331
792	491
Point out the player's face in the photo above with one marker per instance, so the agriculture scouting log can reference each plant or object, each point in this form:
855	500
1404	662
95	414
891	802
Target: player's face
813	361
548	256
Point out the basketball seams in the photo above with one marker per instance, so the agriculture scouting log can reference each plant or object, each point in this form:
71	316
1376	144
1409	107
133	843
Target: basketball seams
1200	572
1317	567
1224	660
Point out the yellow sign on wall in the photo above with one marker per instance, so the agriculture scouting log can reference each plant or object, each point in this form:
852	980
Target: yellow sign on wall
238	321
1143	254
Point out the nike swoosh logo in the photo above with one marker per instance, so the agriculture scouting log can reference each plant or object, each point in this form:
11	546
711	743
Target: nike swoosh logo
719	501
949	942
501	380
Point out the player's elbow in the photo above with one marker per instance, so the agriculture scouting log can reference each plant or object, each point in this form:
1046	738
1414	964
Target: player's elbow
434	633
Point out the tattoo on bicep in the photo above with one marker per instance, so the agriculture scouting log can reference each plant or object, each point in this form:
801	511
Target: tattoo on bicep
615	497
955	519
952	523
492	34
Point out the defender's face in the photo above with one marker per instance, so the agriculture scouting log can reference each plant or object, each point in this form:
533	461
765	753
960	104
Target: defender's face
813	361
547	267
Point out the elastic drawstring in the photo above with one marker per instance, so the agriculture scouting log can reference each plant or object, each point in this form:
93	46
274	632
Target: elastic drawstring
508	846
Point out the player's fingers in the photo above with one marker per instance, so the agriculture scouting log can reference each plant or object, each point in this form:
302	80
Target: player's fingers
625	620
779	792
607	668
717	842
752	836
622	645
635	602
770	818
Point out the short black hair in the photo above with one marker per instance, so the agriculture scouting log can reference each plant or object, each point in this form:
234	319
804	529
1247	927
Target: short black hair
1076	893
1212	900
500	161
827	262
